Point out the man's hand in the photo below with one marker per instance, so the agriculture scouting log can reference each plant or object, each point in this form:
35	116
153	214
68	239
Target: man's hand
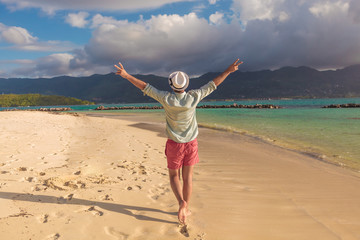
136	82
233	67
121	71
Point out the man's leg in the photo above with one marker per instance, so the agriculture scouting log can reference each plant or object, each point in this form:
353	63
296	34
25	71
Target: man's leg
174	175
187	173
177	189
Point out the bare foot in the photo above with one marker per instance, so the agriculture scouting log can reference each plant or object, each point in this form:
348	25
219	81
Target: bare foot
182	212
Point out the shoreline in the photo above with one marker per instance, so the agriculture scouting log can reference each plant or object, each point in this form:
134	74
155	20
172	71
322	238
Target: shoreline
320	156
207	148
316	155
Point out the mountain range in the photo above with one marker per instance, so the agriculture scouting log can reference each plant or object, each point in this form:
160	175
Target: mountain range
286	82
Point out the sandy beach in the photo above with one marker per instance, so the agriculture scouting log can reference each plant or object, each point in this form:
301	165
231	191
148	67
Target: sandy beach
66	176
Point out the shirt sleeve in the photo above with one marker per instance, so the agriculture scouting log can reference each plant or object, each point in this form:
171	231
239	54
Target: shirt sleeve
205	90
154	93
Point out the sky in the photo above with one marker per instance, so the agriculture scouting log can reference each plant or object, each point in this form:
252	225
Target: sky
42	38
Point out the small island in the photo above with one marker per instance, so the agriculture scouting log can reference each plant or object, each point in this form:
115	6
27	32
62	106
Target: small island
24	100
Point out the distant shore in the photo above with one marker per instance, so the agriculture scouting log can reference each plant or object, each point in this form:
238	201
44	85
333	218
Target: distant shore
24	100
234	105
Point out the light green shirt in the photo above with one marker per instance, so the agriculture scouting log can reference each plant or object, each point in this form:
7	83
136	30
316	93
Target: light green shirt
180	110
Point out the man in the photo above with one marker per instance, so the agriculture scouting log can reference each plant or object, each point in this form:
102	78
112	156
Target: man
181	127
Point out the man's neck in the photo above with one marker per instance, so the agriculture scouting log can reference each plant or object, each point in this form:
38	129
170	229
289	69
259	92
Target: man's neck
179	91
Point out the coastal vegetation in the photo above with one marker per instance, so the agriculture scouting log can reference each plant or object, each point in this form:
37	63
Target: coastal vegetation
23	100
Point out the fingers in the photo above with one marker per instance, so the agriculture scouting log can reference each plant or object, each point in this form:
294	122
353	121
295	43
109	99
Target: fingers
121	66
239	63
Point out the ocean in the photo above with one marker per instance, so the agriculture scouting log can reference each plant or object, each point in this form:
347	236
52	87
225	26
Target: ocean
330	134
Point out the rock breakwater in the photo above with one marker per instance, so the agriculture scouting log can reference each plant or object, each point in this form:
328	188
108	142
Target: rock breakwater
269	106
347	105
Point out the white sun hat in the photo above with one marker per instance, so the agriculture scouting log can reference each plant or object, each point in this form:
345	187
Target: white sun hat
179	81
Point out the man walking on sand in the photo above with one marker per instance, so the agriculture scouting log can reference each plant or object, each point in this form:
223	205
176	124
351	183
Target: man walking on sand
181	127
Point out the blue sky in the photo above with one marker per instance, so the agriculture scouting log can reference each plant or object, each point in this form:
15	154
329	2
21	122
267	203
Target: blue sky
41	38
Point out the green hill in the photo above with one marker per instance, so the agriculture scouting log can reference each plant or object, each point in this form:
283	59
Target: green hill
23	100
286	82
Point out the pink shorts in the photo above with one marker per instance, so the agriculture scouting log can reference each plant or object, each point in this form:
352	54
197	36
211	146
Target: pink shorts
181	154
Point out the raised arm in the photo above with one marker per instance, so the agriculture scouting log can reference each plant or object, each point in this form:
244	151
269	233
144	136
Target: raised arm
136	82
232	68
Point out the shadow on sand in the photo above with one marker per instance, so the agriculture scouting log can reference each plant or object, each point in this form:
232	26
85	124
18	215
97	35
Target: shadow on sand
119	208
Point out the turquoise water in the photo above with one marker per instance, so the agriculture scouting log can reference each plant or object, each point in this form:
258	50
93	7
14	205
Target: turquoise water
331	134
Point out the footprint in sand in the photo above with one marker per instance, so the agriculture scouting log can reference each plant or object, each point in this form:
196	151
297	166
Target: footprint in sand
22	169
55	236
157	191
94	211
121	178
161	173
43	218
28	179
200	236
66	198
107	197
184	230
63	185
136	187
142	170
116	233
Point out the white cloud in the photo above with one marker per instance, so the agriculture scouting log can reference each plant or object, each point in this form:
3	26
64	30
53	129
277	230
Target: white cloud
292	36
258	9
16	35
58	64
77	19
216	18
99	20
212	2
161	43
329	9
107	5
288	33
52	65
19	38
283	16
55	64
199	8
